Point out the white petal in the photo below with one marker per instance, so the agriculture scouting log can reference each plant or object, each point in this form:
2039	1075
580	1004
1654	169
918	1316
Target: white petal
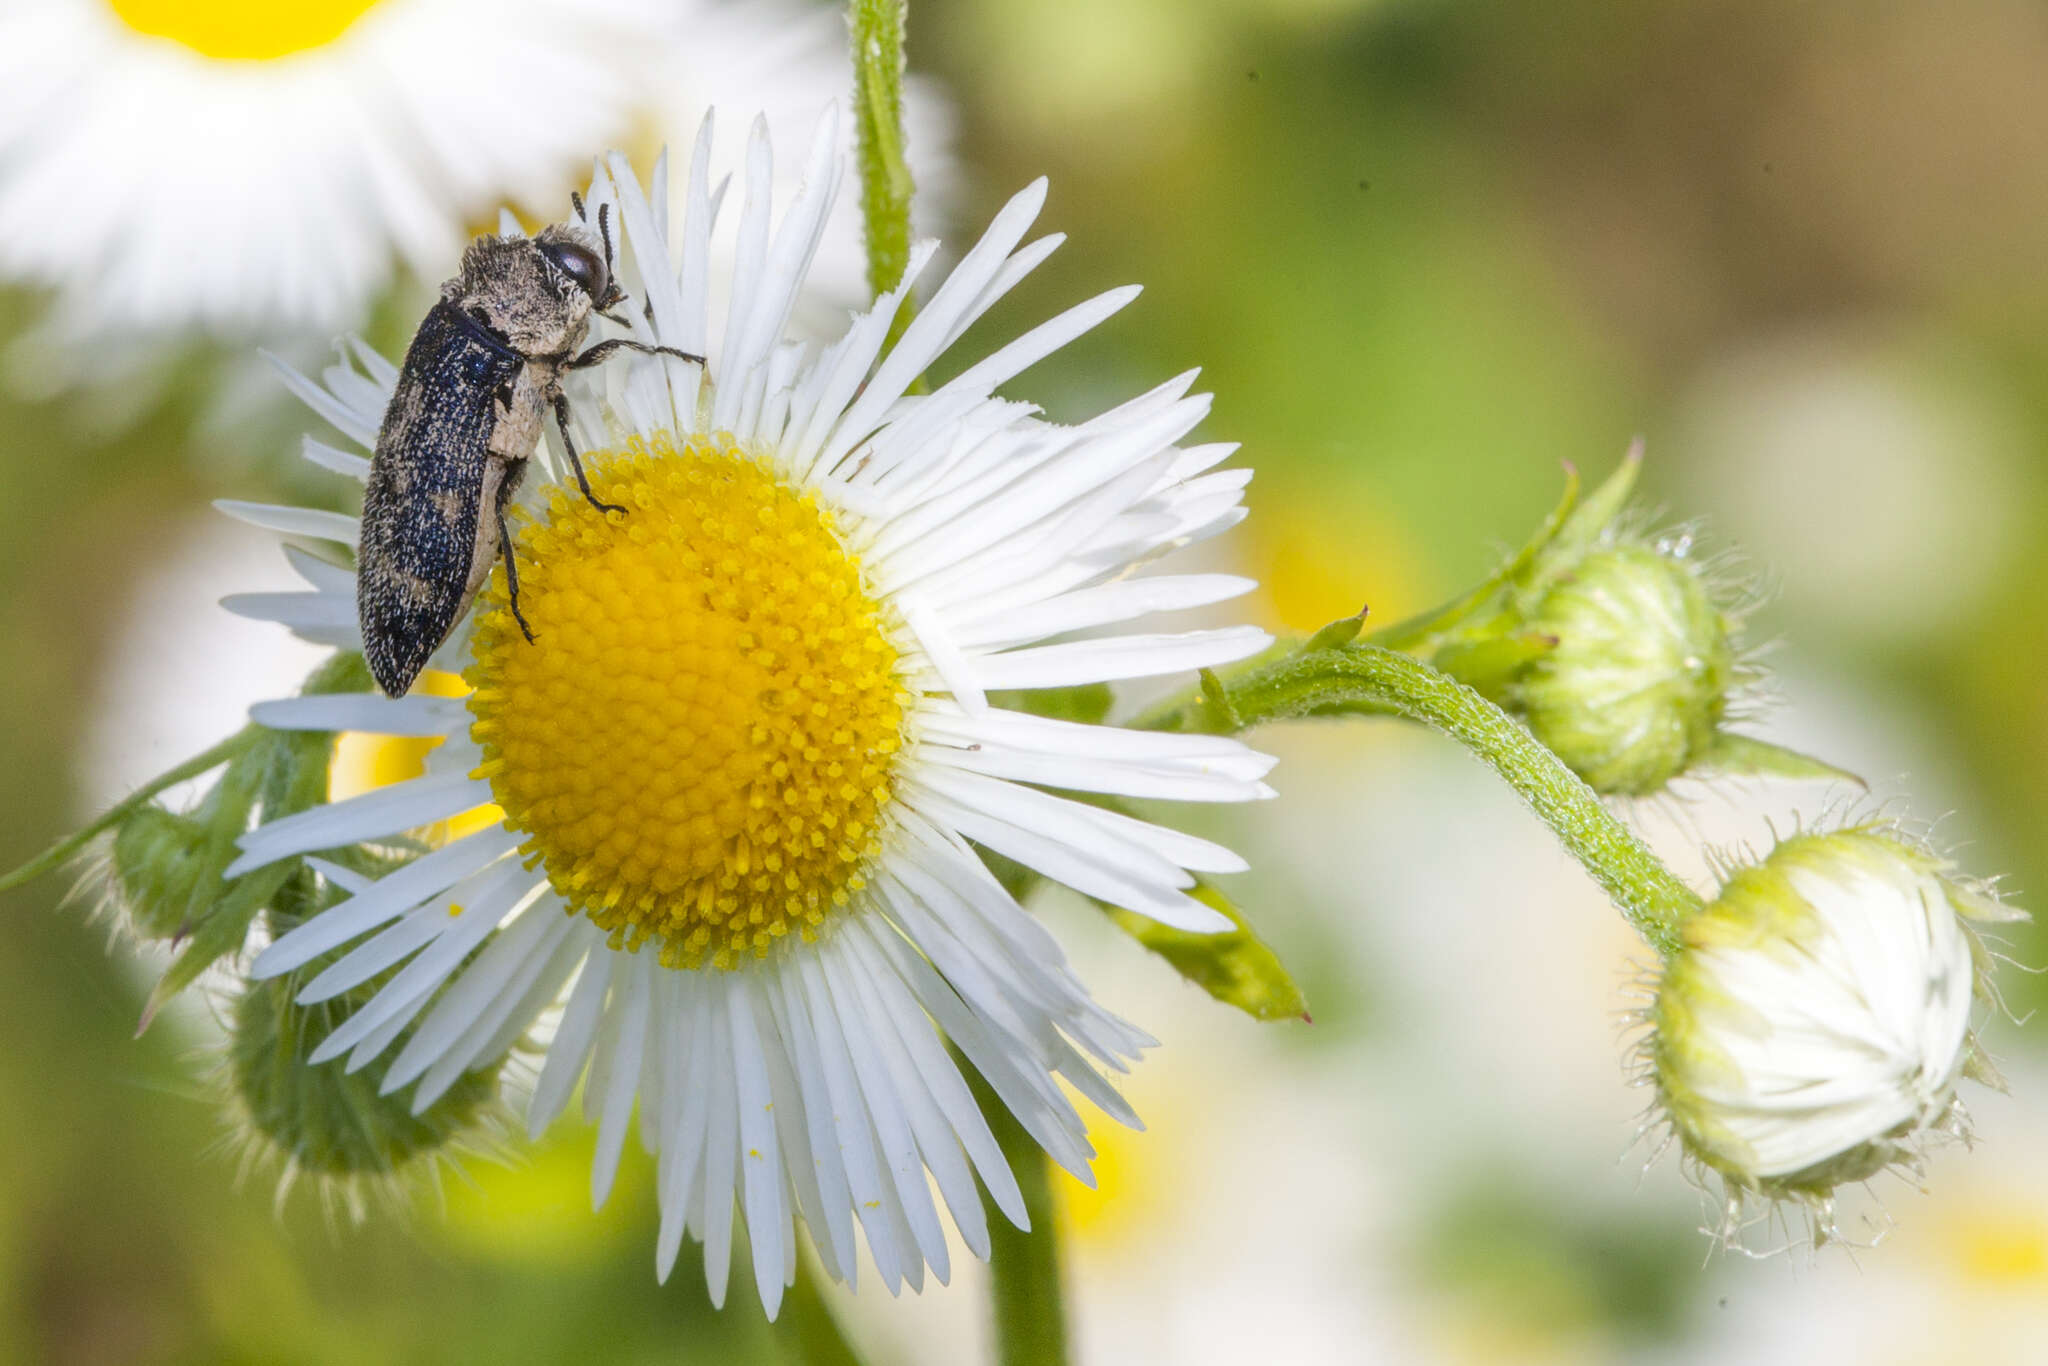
409	989
838	1016
626	1023
372	712
321	574
293	521
423	879
377	814
339	461
1102	605
570	1048
1085	857
760	1159
1119	657
323	618
357	424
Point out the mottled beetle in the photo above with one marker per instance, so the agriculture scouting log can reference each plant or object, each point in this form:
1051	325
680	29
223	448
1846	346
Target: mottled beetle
478	380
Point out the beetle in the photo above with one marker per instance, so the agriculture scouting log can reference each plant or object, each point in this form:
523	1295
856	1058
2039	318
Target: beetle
478	380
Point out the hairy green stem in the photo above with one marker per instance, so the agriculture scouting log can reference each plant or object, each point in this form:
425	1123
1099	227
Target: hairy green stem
1025	1289
885	182
1374	679
56	855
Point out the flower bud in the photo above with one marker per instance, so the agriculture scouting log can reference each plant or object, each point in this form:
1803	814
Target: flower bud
167	870
324	1121
1621	654
1812	1026
1634	689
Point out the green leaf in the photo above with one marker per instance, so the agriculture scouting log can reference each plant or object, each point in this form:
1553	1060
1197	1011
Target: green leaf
1234	966
1744	756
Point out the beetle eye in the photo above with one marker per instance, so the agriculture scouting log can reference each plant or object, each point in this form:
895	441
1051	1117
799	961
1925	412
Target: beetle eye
580	264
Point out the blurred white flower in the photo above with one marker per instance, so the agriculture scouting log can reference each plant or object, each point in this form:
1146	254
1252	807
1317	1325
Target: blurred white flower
250	171
1879	469
1813	1026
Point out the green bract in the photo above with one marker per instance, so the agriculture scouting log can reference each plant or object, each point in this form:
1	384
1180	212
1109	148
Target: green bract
163	871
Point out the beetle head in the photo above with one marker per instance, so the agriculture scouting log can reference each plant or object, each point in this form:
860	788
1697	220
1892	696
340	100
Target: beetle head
584	268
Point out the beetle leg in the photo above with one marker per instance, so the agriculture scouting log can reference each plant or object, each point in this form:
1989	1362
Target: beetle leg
511	561
602	352
582	479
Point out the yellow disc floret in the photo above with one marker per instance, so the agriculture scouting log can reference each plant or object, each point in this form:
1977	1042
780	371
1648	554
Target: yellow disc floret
698	742
243	30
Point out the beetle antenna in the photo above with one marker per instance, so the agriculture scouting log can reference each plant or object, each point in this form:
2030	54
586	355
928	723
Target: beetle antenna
576	202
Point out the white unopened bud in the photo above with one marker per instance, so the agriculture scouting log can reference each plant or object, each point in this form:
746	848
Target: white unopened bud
1814	1023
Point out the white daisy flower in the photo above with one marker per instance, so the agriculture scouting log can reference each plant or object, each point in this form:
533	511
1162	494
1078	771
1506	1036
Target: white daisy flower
261	169
743	766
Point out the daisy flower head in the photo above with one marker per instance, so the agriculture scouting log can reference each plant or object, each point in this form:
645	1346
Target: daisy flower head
737	779
262	169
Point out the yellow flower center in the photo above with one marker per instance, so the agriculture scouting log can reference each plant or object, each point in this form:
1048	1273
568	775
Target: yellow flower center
242	30
698	742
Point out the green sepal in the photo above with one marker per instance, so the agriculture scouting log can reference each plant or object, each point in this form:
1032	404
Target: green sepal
1405	635
1217	698
1342	631
1491	664
1589	522
1744	756
1234	966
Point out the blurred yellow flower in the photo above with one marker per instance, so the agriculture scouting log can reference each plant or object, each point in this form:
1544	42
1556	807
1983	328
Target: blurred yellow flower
1999	1244
242	30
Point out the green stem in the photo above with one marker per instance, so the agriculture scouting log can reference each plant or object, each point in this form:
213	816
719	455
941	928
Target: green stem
885	182
1371	678
1024	1267
57	854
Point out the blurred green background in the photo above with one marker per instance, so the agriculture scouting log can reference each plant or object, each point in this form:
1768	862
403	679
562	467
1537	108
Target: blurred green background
1426	252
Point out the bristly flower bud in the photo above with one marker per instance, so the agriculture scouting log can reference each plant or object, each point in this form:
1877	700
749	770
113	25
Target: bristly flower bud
1813	1024
327	1123
1634	690
1621	653
162	874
